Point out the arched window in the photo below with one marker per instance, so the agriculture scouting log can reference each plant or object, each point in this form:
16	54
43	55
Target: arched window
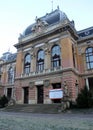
11	75
40	60
27	63
89	57
55	56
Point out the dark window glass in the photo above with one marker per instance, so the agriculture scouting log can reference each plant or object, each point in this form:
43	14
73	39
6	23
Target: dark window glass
55	56
27	63
40	60
10	75
89	57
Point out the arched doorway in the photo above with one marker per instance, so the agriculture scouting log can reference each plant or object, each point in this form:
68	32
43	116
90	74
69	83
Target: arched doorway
26	94
40	94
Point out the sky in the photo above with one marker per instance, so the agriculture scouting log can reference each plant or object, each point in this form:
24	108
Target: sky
17	15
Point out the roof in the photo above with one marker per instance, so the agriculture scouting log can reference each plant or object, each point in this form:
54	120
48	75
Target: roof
85	32
9	57
49	19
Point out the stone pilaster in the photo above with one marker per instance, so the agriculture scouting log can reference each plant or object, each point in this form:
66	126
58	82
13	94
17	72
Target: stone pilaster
47	59
33	62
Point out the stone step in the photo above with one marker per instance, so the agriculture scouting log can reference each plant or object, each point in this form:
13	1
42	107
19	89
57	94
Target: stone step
34	108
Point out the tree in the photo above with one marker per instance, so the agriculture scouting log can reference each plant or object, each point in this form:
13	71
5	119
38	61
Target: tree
3	101
84	99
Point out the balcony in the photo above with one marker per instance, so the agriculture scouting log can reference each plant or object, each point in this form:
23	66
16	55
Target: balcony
36	73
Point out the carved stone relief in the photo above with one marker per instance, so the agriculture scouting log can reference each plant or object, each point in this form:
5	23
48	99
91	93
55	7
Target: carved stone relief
31	85
40	24
46	83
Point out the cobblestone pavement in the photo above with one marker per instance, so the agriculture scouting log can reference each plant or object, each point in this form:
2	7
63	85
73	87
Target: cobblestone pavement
33	121
68	114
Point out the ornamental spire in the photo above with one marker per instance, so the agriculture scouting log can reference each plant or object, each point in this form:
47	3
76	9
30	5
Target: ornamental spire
52	5
52	2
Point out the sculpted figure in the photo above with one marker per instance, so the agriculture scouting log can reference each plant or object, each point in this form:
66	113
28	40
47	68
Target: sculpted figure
66	93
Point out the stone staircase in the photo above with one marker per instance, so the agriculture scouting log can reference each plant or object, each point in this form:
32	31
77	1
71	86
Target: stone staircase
34	108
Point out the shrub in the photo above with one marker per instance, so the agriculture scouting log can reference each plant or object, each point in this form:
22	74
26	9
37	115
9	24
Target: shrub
3	101
84	99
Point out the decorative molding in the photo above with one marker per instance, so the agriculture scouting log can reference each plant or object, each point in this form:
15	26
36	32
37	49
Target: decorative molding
46	83
80	50
31	84
27	49
39	82
54	40
40	24
39	45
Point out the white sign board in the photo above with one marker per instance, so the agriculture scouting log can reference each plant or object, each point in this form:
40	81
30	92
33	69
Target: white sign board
56	94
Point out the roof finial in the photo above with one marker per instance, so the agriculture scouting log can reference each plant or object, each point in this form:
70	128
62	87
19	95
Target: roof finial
9	49
59	3
58	7
52	5
36	18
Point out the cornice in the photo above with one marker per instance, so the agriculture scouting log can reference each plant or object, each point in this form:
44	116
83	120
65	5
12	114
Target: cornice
84	39
53	30
48	74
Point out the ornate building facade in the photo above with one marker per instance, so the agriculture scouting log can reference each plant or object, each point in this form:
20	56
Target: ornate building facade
51	56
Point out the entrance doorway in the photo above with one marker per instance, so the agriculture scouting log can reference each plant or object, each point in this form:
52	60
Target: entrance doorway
91	85
40	94
26	95
9	93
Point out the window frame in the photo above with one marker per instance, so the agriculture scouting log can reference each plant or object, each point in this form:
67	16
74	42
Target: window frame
10	75
40	60
27	63
55	56
89	58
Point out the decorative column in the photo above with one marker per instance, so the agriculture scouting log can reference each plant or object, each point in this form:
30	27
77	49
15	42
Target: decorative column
19	63
33	62
47	59
22	60
13	93
87	83
77	87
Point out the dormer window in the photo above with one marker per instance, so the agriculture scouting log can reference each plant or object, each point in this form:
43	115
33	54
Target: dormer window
87	33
